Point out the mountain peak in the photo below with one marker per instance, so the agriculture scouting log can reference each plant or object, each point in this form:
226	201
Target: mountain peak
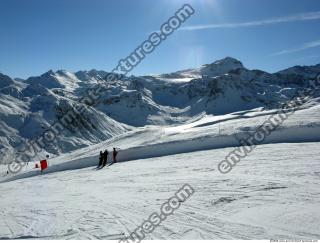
49	73
221	67
62	72
228	61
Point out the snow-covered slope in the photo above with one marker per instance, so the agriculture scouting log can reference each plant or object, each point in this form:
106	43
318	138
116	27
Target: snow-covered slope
28	108
265	197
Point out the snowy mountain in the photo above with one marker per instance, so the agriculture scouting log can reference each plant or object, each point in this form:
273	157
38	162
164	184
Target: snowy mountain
28	107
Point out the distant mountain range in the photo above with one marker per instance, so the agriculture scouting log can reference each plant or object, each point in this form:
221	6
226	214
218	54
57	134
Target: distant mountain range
28	107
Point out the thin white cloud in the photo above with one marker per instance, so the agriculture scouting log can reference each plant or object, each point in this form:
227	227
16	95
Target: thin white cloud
286	19
302	47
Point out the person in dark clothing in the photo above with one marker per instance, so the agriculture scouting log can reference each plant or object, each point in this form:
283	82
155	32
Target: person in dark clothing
100	159
114	155
105	157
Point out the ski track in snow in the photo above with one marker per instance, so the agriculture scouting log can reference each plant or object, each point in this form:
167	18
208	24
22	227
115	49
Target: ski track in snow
267	195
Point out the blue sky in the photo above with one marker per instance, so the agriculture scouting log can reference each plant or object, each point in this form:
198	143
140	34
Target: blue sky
38	35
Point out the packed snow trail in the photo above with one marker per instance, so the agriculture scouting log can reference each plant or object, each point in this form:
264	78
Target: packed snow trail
267	196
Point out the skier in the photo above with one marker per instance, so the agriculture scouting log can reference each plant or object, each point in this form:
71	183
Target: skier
100	159
114	155
105	157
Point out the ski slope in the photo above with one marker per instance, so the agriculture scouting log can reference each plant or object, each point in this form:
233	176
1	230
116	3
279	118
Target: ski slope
267	195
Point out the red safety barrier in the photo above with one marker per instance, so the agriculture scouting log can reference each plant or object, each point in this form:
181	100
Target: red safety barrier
43	164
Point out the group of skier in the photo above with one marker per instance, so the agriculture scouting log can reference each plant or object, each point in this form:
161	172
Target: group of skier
103	158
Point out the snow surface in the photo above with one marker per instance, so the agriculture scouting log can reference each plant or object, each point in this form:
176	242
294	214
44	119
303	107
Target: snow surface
267	195
273	193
